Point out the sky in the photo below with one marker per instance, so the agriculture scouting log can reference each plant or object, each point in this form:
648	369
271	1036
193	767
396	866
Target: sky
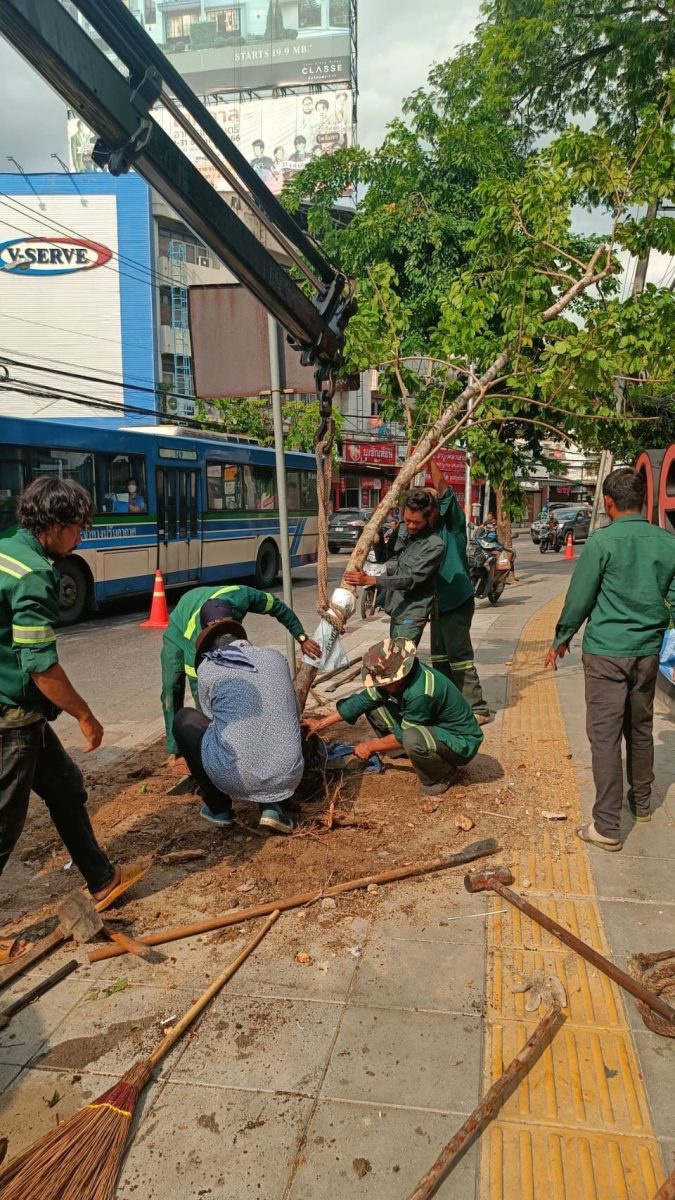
396	50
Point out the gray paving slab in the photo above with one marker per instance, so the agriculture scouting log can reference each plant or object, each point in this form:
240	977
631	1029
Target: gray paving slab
635	927
263	1044
400	972
32	1028
376	1153
421	1060
105	1034
211	1142
629	878
657	1062
668	1151
435	908
7	1074
330	935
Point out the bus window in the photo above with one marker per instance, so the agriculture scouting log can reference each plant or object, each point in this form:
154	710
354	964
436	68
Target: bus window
77	465
259	489
11	486
121	483
308	495
225	487
293	491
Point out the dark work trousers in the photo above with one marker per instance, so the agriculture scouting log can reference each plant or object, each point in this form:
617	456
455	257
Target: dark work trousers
620	703
433	760
189	727
174	674
452	652
410	630
33	759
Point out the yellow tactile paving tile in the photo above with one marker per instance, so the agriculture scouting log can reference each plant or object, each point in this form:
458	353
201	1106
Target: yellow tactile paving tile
545	1164
578	1127
585	1078
592	998
513	928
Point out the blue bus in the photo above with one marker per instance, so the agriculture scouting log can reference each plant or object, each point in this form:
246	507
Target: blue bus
199	506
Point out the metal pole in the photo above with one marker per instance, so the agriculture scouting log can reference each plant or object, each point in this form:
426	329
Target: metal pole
275	386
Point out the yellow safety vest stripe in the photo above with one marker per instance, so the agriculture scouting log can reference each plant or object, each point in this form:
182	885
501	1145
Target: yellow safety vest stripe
192	623
32	635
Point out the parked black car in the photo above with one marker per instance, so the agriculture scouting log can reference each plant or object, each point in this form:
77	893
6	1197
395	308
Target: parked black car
344	528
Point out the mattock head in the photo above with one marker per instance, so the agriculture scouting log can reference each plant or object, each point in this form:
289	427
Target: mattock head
482	881
78	918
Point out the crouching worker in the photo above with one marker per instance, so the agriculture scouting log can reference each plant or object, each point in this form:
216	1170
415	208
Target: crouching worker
245	744
412	706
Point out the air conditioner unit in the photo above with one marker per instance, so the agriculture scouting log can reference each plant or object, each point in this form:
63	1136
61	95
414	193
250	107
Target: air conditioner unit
203	261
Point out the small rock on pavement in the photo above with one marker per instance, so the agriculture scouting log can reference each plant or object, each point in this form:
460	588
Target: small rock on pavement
328	904
247	887
555	816
464	823
373	889
303	959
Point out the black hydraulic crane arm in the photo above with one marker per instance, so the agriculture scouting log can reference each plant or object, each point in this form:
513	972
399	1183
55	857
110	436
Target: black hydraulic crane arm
119	111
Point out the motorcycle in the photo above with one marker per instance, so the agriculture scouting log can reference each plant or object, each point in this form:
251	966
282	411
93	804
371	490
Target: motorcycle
489	565
550	539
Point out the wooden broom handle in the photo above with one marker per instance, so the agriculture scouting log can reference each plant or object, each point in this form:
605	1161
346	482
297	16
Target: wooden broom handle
172	1035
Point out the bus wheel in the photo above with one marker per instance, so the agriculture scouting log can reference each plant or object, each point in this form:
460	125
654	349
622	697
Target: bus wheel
73	592
266	565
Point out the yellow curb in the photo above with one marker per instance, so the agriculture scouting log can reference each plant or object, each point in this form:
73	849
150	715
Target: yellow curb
579	1126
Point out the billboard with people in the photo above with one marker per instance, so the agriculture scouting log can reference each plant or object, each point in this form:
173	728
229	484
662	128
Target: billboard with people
278	135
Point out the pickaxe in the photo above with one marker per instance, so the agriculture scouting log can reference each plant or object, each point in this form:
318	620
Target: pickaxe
497	879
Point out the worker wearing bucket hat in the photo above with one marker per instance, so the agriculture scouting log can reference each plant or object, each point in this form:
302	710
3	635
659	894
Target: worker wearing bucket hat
410	705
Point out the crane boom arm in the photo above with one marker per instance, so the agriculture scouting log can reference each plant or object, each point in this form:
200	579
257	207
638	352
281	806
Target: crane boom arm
119	111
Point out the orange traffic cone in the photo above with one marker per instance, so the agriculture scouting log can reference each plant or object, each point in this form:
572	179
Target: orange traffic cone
569	546
159	613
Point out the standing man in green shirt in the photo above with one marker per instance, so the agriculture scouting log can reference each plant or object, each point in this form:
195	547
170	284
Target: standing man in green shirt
34	688
409	585
178	648
623	586
454	605
410	705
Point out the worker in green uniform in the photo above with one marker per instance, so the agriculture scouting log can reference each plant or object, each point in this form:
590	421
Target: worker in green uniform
454	604
410	705
34	688
414	555
178	649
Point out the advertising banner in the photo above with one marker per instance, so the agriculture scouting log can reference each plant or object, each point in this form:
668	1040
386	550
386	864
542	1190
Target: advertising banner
278	135
374	454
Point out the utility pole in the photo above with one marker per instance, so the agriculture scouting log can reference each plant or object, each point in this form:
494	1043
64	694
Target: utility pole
275	385
606	464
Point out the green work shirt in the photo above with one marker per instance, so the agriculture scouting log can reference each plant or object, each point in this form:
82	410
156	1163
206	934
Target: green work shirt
429	700
453	586
184	624
623	585
29	612
409	586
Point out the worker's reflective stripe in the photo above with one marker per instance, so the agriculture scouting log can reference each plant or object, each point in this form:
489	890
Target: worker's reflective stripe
385	715
269	602
461	666
12	566
373	693
192	623
33	635
428	737
429	683
190	671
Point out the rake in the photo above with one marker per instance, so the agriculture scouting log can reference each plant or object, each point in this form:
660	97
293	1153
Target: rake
81	1158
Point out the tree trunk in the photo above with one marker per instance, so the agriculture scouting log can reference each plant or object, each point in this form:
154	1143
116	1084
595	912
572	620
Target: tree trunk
503	519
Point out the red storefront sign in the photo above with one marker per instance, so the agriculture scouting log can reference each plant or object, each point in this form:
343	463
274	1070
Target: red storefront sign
372	454
452	465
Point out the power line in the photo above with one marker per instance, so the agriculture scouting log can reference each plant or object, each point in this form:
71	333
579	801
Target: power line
27	366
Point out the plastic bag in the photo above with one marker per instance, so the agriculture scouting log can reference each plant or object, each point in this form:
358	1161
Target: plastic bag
667	655
332	653
504	561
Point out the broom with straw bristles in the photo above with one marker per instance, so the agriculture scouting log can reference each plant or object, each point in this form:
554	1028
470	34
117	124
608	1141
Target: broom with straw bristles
81	1158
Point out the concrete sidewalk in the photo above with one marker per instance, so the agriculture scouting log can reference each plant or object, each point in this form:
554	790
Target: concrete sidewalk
345	1077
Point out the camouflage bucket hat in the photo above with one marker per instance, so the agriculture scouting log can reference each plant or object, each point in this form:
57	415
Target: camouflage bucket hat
388	661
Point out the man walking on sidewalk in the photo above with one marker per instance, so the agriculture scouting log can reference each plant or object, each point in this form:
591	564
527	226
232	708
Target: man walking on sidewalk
454	605
624	585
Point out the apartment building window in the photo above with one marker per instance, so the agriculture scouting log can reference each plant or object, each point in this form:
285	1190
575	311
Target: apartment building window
309	14
228	20
178	25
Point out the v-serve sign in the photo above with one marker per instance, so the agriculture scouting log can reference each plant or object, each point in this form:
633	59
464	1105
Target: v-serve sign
51	256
